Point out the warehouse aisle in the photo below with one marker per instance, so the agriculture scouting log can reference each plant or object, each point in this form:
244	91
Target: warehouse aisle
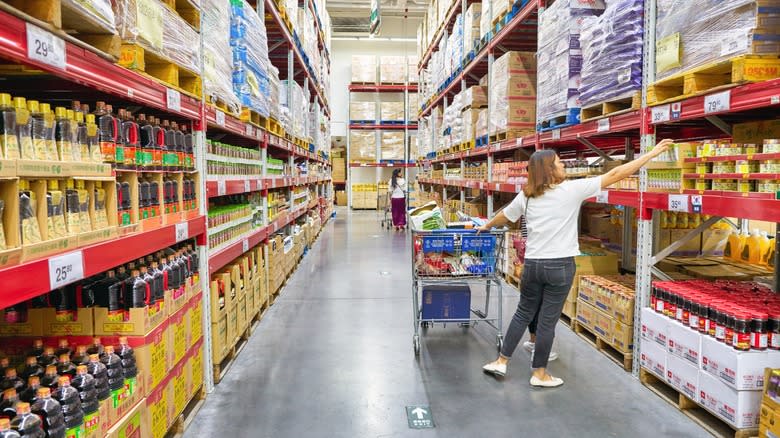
333	358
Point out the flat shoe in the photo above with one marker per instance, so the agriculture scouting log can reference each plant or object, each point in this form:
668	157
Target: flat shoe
495	369
554	382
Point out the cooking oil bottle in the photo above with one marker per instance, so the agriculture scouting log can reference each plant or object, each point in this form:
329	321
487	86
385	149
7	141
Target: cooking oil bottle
55	206
101	214
81	143
49	123
63	134
9	143
72	208
28	215
84	221
24	129
107	132
753	247
38	130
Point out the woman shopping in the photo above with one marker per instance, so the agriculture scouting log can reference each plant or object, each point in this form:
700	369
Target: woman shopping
398	199
551	206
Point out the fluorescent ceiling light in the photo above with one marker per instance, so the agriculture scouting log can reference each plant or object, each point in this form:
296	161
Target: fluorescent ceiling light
356	38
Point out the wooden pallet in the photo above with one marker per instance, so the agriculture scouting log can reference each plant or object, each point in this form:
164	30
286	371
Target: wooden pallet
220	104
569	322
221	369
500	18
185	419
714	77
624	360
61	19
691	409
135	57
186	11
467	146
611	107
507	135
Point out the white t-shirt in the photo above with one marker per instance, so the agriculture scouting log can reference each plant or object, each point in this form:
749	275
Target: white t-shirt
551	219
400	189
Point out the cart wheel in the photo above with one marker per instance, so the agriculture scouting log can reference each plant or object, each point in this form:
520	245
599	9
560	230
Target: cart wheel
416	345
499	342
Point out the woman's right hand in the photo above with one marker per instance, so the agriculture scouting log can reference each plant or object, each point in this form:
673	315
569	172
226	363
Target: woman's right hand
661	147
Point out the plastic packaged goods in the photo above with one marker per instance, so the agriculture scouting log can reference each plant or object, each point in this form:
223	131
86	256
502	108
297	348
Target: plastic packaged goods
471	31
392	145
217	56
392	69
362	146
513	93
560	56
250	57
694	33
612	52
159	29
274	93
391	111
97	12
297	122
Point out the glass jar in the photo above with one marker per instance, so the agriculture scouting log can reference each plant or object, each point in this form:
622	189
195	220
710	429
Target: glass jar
773	330
742	331
759	338
720	324
730	321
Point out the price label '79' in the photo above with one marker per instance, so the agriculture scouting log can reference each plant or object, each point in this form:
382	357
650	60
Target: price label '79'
65	269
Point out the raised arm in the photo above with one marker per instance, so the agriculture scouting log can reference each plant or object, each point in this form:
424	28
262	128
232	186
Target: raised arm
630	168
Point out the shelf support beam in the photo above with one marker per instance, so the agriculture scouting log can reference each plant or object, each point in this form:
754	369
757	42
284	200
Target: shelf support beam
720	124
593	147
664	253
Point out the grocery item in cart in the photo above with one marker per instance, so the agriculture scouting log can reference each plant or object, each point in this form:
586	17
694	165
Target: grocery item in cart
26	423
50	412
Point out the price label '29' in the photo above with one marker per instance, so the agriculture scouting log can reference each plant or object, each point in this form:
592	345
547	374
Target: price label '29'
45	47
65	269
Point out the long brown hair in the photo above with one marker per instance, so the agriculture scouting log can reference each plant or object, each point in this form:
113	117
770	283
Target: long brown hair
541	173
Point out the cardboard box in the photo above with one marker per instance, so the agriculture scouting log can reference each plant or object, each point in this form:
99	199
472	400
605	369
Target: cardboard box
682	375
30	324
570	309
741	370
177	338
740	409
232	326
138	322
769	423
622	336
586	314
655	328
600	226
131	425
195	320
684	343
219	344
241	315
364	68
653	358
156	412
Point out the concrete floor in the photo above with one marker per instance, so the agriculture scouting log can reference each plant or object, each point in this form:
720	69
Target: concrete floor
333	358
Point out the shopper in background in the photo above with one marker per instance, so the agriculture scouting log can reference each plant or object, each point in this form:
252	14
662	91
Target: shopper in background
398	199
551	206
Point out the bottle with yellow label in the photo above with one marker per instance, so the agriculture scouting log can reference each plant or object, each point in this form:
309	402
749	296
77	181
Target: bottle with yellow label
84	221
93	140
74	136
37	130
9	144
63	134
72	208
3	245
50	124
744	254
80	145
24	129
55	205
101	213
28	216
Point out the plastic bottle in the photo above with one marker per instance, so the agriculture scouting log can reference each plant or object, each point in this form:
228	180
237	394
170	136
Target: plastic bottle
9	402
114	294
65	367
24	129
55	210
179	140
50	377
106	133
189	148
154	197
101	211
5	429
85	384
85	222
96	347
170	157
29	393
31	230
739	246
100	373
9	142
70	401
26	423
140	291
93	138
39	129
128	137
115	373
127	356
31	368
167	273
50	124
11	380
159	141
145	143
765	244
753	247
81	357
63	348
50	412
48	357
63	134
158	284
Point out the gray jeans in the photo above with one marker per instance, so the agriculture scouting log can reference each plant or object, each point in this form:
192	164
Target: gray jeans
543	288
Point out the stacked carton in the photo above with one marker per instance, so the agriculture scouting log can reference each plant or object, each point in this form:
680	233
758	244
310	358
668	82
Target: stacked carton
471	30
392	145
513	94
364	69
362	146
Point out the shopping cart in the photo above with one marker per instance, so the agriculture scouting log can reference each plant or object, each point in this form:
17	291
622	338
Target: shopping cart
445	264
383	209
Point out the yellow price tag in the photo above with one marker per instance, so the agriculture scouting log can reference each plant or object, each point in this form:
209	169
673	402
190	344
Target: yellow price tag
667	53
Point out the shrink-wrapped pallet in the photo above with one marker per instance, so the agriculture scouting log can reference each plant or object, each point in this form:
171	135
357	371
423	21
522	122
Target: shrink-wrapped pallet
560	57
612	52
691	33
98	12
217	55
513	93
414	106
159	30
250	57
475	97
296	107
470	117
364	69
471	30
411	68
362	111
392	69
392	145
391	111
362	145
482	123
